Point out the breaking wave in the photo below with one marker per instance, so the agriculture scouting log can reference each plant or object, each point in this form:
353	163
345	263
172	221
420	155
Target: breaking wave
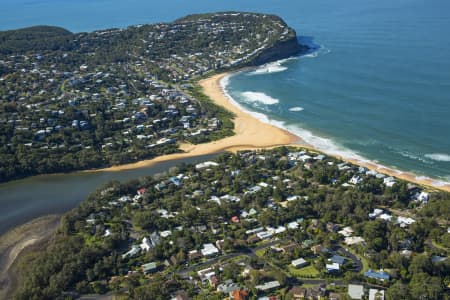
272	67
438	157
297	108
260	98
321	143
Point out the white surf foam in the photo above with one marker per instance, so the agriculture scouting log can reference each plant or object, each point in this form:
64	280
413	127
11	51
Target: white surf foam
323	144
311	55
272	67
297	108
412	156
438	156
279	65
269	68
260	98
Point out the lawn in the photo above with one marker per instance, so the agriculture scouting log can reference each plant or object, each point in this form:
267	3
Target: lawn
308	271
260	252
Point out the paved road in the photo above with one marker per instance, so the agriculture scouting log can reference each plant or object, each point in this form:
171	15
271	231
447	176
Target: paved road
250	252
356	261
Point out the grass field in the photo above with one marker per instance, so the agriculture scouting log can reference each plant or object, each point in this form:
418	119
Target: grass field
308	271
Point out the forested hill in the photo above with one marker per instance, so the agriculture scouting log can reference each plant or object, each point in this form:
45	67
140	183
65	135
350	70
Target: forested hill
72	101
36	38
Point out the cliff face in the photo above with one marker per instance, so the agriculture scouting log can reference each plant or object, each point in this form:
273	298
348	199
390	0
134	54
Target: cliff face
280	50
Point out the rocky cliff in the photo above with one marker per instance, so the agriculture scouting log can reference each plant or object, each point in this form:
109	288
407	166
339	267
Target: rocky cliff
280	50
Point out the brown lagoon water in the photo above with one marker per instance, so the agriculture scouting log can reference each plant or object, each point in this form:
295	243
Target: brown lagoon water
26	199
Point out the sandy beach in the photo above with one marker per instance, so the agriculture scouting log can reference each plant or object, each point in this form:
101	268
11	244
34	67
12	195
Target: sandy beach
251	134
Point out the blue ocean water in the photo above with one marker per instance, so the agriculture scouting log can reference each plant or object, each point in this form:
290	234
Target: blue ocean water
378	87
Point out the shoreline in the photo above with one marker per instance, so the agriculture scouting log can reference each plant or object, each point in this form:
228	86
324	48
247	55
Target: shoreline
252	133
16	241
247	131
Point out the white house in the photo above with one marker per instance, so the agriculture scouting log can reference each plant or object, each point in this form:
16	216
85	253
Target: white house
134	250
375	294
389	181
299	263
146	244
376	212
209	250
353	240
333	267
356	180
206	164
355	291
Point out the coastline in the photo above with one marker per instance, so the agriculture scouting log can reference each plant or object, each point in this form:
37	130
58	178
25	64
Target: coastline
250	132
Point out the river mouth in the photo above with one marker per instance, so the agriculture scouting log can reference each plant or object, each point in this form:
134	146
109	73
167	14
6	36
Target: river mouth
37	196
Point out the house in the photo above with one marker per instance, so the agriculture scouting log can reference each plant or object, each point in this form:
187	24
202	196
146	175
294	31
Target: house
206	274
376	212
135	249
332	227
299	263
264	235
334	296
194	255
180	296
332	268
146	244
206	164
386	217
347	231
293	225
209	250
381	275
340	260
239	294
404	221
254	189
355	291
165	233
149	268
228	287
422	197
214	281
298	293
290	247
356	180
155	239
175	180
253	239
268	286
354	240
438	259
317	249
389	181
255	230
316	293
375	294
235	219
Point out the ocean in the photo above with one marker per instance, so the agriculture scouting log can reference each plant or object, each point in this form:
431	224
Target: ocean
376	88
